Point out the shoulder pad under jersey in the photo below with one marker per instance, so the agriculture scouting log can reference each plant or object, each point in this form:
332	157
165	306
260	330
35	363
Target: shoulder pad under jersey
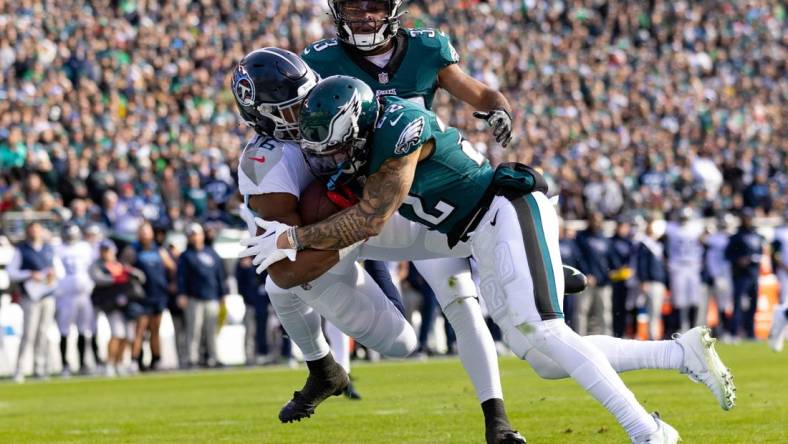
322	50
435	45
258	158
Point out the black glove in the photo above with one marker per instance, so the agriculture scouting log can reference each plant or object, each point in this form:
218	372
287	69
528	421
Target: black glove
501	123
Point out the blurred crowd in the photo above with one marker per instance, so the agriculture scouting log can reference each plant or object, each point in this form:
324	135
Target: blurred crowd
635	106
117	112
70	279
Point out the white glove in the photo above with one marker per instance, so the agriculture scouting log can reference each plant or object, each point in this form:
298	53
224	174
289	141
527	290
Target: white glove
501	123
263	247
248	218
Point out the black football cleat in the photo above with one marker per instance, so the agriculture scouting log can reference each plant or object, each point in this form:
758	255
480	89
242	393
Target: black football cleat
504	436
351	393
329	381
574	280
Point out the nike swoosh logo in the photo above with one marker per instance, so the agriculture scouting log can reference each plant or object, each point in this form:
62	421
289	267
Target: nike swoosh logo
260	159
495	219
394	122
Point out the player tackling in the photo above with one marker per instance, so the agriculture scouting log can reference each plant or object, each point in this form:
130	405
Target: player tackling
269	85
414	164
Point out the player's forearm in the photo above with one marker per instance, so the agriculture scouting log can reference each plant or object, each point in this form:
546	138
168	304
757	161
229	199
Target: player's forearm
308	266
472	91
384	192
491	100
342	229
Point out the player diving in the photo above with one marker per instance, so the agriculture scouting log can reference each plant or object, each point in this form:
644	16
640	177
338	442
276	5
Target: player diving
269	86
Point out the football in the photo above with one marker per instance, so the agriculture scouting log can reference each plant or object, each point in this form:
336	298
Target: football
314	205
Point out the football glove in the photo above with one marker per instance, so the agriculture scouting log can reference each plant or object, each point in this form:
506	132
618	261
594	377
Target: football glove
263	247
501	123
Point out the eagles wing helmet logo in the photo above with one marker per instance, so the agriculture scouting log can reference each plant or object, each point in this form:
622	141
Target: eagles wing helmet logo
243	87
410	136
344	125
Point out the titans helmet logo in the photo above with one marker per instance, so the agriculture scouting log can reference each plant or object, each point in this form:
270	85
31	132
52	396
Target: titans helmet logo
243	87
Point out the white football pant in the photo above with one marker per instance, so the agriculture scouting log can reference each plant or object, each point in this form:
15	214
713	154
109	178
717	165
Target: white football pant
449	278
516	247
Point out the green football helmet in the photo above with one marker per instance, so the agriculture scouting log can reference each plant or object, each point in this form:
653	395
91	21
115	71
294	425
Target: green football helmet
336	120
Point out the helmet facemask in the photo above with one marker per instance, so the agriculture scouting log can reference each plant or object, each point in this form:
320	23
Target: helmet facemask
343	160
356	28
343	149
285	117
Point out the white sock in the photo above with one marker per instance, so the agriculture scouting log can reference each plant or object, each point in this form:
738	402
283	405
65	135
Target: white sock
779	319
301	322
588	366
340	345
627	354
476	347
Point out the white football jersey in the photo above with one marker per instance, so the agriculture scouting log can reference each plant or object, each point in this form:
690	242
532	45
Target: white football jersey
684	245
77	258
716	263
781	234
268	165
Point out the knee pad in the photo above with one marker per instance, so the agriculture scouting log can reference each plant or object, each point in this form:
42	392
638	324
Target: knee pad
359	308
525	337
464	311
519	340
403	345
450	279
544	366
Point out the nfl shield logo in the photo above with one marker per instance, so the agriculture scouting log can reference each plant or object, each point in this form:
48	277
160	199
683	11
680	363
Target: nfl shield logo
383	77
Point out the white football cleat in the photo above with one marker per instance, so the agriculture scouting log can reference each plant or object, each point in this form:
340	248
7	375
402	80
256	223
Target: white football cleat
665	434
703	364
777	333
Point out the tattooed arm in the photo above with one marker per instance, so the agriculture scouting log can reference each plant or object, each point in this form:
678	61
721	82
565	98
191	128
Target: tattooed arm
384	192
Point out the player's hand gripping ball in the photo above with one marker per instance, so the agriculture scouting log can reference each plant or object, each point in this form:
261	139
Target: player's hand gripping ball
263	247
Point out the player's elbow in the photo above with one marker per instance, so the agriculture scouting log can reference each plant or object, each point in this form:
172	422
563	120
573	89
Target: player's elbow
373	229
374	225
285	275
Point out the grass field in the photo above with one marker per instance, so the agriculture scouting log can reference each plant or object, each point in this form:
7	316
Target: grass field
404	402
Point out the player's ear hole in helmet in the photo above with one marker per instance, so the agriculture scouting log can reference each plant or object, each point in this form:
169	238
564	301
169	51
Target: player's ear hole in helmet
269	85
336	121
366	25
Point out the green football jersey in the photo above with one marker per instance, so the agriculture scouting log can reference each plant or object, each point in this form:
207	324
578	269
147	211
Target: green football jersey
450	183
411	73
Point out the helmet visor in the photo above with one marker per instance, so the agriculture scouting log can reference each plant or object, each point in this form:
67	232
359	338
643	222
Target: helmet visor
324	165
364	17
285	118
325	160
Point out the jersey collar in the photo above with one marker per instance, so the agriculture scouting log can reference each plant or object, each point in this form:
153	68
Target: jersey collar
374	71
